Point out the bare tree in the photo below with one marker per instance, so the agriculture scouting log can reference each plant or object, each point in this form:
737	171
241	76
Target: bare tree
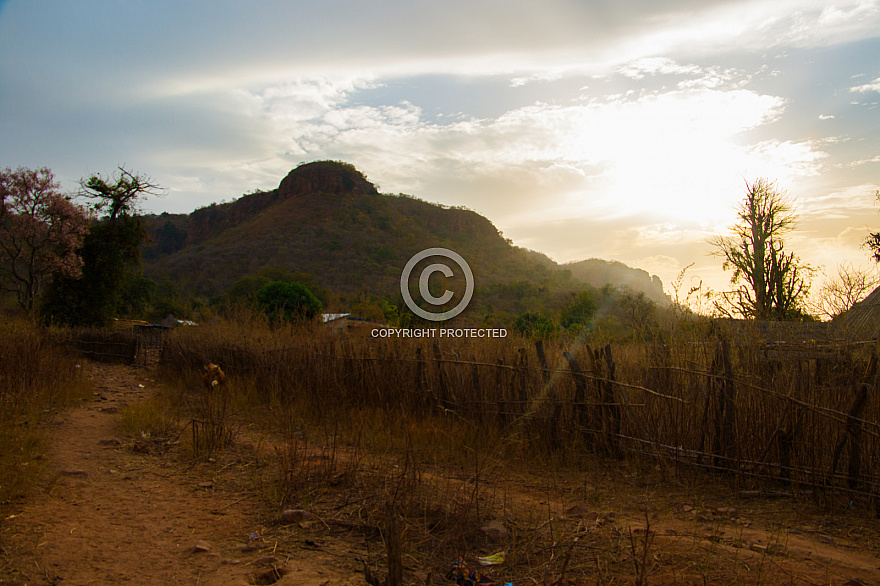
769	283
41	232
842	291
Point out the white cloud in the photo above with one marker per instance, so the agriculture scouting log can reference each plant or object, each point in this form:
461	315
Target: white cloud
639	68
662	153
874	86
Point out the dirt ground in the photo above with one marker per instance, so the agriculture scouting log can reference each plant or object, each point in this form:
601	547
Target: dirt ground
117	511
121	510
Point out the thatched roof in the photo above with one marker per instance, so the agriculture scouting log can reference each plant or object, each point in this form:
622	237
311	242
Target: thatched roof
862	322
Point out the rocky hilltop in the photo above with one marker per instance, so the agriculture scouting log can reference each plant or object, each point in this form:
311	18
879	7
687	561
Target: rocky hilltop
325	218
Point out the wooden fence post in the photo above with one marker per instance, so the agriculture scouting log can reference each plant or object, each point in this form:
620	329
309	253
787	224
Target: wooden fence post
522	368
580	394
542	359
853	429
610	409
421	382
725	406
441	377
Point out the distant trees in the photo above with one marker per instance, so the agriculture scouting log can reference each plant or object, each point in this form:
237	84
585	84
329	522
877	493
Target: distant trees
769	283
282	301
110	253
579	313
41	232
639	312
244	290
534	325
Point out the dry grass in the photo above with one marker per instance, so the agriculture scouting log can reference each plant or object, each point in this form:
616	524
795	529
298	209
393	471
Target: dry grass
38	378
453	434
767	416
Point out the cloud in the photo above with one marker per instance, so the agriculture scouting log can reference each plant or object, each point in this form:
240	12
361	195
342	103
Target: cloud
874	86
621	126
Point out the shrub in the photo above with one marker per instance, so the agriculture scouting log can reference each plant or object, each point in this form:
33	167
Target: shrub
287	301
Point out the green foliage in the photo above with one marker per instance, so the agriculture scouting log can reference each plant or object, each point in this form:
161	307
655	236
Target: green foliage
245	289
111	281
136	294
533	325
119	194
109	251
165	306
579	314
376	309
287	301
169	239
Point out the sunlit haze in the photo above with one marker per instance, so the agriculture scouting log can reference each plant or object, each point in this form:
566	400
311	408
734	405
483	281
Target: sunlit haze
622	130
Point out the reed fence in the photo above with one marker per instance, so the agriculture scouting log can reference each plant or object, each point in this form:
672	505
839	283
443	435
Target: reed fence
798	417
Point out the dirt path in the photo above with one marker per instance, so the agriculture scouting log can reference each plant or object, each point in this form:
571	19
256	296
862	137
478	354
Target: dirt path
117	510
113	511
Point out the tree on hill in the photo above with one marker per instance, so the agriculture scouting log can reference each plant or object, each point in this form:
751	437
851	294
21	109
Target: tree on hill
111	254
282	301
639	312
244	290
769	283
41	231
579	313
533	325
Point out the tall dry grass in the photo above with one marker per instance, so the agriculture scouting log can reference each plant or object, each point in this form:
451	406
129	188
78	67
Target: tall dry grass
38	378
766	416
449	434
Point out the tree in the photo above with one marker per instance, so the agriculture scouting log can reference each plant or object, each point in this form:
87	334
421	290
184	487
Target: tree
245	289
532	324
111	253
841	292
770	284
579	314
639	312
287	301
41	231
118	194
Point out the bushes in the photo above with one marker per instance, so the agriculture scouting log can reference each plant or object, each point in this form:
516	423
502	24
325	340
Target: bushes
287	301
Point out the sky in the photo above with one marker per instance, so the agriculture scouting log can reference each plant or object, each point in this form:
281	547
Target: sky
623	130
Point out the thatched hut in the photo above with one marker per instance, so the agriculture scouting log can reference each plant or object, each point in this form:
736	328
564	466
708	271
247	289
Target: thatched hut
862	322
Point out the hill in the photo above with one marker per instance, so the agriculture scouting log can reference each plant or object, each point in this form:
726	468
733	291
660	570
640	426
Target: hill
326	219
597	272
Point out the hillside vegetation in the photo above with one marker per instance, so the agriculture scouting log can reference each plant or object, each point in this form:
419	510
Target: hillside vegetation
327	220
